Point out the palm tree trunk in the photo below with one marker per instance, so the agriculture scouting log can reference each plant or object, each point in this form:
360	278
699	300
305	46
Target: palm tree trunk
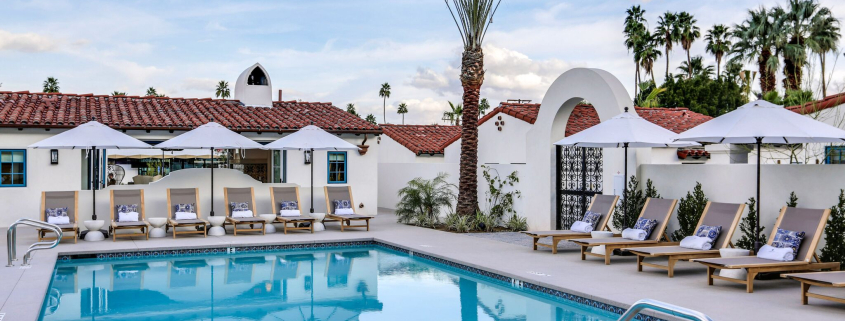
824	84
384	110
472	76
652	78
689	65
667	62
718	67
767	78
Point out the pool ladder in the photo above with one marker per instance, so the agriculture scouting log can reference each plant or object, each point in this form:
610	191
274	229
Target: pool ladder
663	307
11	240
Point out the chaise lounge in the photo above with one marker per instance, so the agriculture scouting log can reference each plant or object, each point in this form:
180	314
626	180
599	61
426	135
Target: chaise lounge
290	194
602	204
123	201
810	221
342	195
833	279
60	200
657	209
240	210
185	199
724	215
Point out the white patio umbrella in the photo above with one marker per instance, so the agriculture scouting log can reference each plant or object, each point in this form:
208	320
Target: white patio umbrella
624	130
210	136
761	122
154	153
91	135
311	138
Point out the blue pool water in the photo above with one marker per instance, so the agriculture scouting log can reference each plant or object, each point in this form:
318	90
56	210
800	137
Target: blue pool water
365	283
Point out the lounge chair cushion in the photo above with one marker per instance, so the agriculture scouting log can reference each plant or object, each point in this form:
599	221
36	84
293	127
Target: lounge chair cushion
187	208
711	232
65	226
194	221
249	219
124	224
288	206
788	239
591	218
646	225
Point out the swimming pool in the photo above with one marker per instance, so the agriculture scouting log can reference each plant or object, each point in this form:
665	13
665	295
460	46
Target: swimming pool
353	283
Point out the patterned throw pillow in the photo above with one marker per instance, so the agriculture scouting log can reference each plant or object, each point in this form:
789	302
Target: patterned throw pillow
126	208
340	204
788	239
239	207
56	212
646	225
288	206
185	208
711	232
591	218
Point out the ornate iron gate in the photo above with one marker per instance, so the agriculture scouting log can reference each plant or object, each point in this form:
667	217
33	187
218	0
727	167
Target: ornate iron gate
579	178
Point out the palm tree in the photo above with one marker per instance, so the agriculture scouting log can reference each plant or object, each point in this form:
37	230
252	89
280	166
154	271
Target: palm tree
718	44
651	100
797	23
755	39
667	33
649	53
402	110
222	90
152	92
483	106
371	119
454	114
51	85
473	18
350	108
636	34
688	33
696	68
384	93
118	93
824	35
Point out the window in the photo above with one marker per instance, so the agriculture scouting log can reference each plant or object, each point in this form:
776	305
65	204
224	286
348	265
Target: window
337	167
257	78
834	154
12	168
280	170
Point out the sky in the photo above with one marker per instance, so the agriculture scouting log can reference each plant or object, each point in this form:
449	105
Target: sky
338	51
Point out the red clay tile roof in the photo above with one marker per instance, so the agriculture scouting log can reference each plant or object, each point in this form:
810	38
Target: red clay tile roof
818	105
45	110
584	116
422	139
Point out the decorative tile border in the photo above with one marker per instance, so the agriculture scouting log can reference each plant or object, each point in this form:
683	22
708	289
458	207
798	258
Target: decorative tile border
447	264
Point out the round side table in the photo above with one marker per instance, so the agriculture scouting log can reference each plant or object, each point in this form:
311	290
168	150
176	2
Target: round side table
217	225
268	220
740	274
94	233
318	221
158	224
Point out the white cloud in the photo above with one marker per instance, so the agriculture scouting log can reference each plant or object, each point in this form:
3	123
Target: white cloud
26	42
201	84
429	79
215	26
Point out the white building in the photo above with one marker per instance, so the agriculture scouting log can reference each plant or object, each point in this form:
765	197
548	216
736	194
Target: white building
26	118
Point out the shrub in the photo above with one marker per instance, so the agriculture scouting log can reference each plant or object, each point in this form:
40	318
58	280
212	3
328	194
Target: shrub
636	200
499	202
747	227
690	209
420	202
517	224
793	200
485	222
702	95
834	233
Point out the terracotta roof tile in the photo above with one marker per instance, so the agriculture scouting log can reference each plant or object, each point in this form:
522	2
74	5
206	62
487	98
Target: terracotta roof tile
818	105
422	139
24	109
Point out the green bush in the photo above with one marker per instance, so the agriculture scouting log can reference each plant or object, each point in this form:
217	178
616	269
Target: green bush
690	209
421	201
517	224
747	227
485	222
834	233
636	201
702	95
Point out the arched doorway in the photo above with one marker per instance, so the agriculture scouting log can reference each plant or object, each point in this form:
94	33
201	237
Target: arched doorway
546	176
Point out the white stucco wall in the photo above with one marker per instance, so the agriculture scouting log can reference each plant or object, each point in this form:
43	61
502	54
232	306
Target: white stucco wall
502	147
20	202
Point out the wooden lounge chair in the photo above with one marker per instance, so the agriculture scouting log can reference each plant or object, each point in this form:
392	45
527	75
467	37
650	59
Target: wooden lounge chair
68	199
284	194
656	209
725	215
602	204
185	196
810	221
242	195
128	197
343	193
834	279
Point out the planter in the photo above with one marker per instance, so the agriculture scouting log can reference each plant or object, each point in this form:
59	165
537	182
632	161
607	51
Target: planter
362	149
682	154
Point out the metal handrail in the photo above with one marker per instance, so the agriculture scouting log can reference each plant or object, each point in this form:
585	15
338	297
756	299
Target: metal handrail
12	235
663	307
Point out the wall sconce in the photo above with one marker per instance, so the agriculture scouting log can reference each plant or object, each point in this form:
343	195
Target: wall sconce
307	157
54	156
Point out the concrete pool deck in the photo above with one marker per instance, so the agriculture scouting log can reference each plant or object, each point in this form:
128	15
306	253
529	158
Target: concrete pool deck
22	290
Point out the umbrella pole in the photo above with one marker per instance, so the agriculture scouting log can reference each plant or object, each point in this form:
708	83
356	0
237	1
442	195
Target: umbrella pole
94	161
757	244
625	185
212	181
312	180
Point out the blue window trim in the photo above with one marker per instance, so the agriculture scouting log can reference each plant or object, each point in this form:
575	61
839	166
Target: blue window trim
24	168
828	152
329	166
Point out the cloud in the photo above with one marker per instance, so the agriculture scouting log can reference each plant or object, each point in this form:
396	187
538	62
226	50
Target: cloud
201	84
26	42
425	111
429	79
215	26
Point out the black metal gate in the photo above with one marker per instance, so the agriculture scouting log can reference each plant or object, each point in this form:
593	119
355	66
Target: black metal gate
579	178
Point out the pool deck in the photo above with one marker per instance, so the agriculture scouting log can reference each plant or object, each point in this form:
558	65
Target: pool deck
23	290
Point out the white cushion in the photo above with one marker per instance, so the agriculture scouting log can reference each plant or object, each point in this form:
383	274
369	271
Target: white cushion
344	211
186	216
128	217
237	214
58	220
290	213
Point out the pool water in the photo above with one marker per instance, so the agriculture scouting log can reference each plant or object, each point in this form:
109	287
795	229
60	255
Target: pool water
368	283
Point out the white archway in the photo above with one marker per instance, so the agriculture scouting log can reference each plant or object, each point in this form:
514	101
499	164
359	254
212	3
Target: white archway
609	98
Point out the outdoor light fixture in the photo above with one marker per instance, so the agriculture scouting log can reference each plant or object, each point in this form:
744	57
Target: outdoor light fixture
54	156
307	157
